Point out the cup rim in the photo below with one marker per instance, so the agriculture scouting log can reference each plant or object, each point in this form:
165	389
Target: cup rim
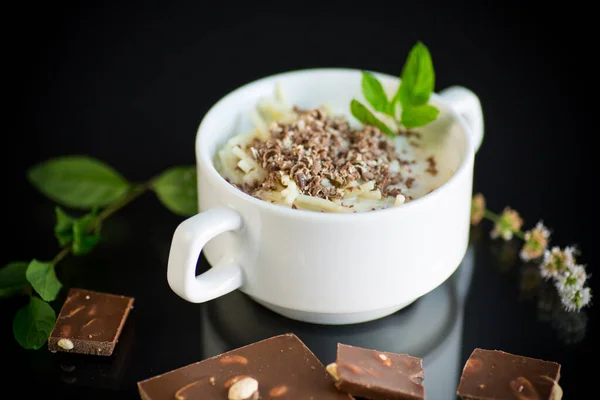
203	157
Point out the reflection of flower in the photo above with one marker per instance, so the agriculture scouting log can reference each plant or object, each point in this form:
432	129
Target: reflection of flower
507	224
530	281
571	327
548	301
477	208
556	260
536	241
506	254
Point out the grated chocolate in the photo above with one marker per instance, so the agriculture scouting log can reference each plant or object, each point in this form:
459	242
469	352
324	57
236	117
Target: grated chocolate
323	154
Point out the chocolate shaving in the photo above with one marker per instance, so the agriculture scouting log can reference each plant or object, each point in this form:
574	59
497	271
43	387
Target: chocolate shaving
323	154
432	166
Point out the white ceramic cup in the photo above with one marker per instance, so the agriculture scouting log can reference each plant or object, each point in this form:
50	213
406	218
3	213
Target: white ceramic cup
326	268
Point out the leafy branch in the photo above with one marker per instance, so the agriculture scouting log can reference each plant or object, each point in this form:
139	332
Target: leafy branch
409	106
86	184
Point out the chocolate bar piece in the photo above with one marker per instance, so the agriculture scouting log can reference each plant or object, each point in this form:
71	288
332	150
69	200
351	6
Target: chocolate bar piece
89	322
281	367
377	375
495	375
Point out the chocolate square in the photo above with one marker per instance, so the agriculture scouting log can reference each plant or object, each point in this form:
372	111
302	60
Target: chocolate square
90	322
495	374
378	375
281	367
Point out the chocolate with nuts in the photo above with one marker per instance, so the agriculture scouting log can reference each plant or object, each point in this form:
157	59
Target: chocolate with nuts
495	375
90	322
377	375
281	367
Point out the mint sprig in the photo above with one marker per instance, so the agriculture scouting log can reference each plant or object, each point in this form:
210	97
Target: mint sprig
78	181
176	189
80	233
12	278
82	183
33	323
363	114
42	277
417	82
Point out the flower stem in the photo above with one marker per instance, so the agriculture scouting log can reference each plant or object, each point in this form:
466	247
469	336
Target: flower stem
492	216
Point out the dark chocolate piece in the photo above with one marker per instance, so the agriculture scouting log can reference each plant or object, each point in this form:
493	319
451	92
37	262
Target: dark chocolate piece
377	375
282	366
496	375
90	322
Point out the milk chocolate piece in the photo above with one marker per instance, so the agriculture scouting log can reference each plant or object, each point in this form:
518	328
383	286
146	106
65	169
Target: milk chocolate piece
377	375
89	322
282	365
495	375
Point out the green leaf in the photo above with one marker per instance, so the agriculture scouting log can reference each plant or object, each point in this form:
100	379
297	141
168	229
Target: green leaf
43	278
418	77
12	278
77	231
78	181
63	230
374	93
362	113
176	188
84	240
33	324
413	117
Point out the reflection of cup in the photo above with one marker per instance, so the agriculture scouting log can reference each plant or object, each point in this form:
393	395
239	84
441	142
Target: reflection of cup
327	268
430	328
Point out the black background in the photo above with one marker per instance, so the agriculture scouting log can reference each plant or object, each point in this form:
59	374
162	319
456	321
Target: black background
129	83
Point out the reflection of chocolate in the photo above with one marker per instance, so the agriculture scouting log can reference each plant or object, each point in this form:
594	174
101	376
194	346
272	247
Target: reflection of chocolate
90	322
282	365
494	374
377	375
98	372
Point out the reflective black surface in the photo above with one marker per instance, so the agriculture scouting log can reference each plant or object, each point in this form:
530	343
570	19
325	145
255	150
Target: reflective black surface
128	84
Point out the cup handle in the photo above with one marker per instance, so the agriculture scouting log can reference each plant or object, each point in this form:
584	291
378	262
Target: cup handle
467	105
188	240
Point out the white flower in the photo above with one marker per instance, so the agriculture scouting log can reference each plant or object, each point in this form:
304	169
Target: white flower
575	299
536	241
477	208
507	224
556	261
573	277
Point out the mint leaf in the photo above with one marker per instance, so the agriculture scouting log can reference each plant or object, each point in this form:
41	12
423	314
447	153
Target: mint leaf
374	93
176	188
33	324
12	278
418	78
84	240
413	117
63	229
42	277
78	181
362	113
76	231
